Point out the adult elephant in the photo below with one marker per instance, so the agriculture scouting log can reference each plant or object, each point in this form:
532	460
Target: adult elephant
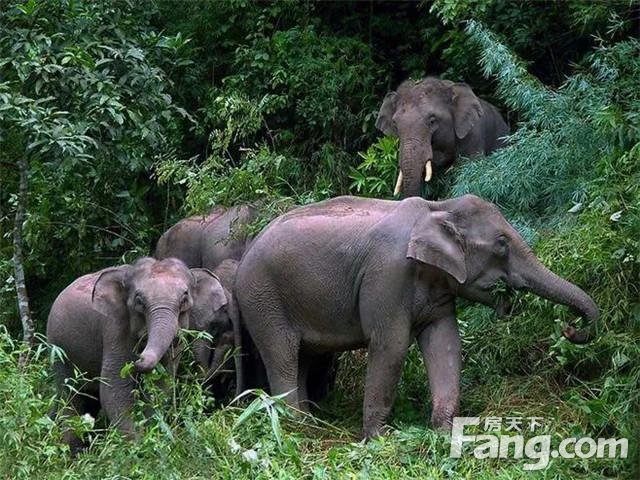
206	240
437	121
354	272
100	318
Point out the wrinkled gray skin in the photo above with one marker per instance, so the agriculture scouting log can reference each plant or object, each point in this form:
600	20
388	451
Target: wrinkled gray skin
217	241
438	120
206	240
352	272
99	319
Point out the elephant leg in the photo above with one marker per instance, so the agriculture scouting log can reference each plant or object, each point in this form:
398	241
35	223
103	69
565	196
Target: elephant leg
69	403
386	354
280	353
322	376
440	346
116	393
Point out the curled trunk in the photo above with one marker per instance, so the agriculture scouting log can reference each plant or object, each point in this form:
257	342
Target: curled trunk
202	352
543	282
163	327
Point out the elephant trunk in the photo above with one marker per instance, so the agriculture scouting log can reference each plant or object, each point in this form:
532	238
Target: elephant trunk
415	164
202	349
163	327
543	282
234	315
220	355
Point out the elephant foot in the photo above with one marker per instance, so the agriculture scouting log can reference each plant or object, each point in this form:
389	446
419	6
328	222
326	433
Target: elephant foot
375	430
75	443
443	414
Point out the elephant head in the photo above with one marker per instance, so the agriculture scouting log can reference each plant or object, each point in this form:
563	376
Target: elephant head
215	312
156	294
469	239
427	115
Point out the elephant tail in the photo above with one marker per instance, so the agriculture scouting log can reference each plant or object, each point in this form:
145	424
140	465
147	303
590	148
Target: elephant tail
237	340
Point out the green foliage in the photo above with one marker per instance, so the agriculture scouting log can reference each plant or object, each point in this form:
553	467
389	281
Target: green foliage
552	36
274	104
564	135
85	98
376	175
284	89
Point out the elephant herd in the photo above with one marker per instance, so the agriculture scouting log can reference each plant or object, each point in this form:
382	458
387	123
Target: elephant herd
338	275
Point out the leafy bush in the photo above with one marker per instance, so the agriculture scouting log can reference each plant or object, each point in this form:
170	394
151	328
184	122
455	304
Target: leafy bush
281	97
85	98
376	175
565	132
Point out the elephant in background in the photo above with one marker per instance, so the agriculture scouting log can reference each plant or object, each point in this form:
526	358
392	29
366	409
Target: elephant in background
351	273
100	318
205	241
437	121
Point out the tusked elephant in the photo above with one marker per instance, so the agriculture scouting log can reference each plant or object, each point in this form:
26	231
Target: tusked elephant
207	240
99	319
351	272
437	121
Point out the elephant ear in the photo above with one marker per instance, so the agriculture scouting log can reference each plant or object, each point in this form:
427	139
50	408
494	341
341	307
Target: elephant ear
467	109
384	122
108	295
436	241
208	289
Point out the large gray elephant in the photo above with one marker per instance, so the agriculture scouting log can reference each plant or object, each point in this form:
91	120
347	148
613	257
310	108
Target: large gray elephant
352	272
206	240
437	121
100	318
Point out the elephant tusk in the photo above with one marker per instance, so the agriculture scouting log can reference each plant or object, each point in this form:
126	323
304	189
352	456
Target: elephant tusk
428	173
398	186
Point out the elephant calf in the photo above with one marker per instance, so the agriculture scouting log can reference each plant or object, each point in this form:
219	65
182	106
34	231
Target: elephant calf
99	319
215	354
352	272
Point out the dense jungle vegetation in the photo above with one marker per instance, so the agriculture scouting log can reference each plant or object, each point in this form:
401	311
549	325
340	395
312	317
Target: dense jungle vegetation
117	118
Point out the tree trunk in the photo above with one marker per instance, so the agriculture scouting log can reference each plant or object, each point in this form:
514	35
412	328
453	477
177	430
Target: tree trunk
18	262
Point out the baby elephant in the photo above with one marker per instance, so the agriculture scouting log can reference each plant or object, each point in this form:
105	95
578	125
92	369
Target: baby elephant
214	354
99	319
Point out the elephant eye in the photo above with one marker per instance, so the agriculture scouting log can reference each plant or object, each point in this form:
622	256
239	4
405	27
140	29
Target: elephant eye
431	120
138	301
185	297
502	245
